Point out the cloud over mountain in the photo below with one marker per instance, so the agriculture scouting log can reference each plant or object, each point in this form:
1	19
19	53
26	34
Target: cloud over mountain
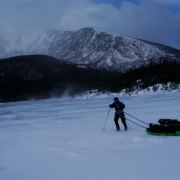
155	20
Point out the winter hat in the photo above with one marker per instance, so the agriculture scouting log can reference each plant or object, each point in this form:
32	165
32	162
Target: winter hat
116	99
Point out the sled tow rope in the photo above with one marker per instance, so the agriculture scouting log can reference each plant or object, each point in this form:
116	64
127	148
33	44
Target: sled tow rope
133	122
136	118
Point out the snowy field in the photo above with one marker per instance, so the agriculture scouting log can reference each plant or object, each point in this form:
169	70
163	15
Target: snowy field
64	140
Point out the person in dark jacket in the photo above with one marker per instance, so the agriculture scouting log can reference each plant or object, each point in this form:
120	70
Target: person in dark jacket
119	106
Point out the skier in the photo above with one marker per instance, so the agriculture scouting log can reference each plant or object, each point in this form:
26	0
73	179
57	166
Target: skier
119	106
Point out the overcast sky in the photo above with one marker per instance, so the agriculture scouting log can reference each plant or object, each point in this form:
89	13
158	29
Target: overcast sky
152	20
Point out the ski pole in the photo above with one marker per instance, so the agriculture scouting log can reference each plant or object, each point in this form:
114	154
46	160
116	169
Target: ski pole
106	120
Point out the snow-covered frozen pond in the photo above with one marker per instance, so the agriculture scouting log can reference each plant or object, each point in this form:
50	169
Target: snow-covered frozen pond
64	140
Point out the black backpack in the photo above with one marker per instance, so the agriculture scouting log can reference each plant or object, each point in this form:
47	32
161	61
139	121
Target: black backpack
122	105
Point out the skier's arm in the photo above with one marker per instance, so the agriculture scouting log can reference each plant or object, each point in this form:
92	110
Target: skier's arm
111	105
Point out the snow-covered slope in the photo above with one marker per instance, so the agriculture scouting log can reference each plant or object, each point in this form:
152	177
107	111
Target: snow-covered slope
157	89
97	47
64	140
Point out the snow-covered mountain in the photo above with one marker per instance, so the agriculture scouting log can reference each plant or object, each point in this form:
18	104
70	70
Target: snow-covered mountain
97	47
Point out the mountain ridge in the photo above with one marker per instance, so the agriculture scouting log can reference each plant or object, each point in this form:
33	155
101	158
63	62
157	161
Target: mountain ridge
100	48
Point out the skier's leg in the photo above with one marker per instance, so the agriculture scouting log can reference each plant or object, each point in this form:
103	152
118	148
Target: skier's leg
116	118
123	121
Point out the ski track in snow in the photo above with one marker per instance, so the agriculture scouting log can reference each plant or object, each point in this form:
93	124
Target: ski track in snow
64	139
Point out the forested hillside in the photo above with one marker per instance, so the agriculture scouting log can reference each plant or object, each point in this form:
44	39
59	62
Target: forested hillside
40	77
161	72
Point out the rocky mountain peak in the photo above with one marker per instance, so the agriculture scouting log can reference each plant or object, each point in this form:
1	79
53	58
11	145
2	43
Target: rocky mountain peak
100	48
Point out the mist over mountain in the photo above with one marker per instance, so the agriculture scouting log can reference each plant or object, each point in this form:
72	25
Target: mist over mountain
100	48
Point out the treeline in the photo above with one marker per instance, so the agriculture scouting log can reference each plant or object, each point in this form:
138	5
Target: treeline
161	72
40	77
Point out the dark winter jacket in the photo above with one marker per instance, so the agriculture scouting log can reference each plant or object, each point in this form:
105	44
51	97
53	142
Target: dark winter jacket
119	106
